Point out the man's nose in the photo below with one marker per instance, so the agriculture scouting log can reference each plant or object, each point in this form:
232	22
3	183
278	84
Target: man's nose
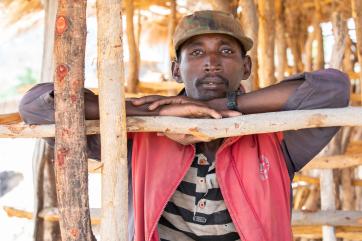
212	64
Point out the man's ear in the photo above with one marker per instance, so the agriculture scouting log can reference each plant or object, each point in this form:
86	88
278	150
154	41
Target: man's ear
246	67
175	68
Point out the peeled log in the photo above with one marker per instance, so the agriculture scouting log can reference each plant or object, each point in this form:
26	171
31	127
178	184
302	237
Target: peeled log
249	23
357	16
70	140
133	66
211	128
266	43
112	122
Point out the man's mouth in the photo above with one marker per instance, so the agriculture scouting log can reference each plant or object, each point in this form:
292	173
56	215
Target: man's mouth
212	83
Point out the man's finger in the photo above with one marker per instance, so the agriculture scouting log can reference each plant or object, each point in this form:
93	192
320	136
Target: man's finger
202	111
230	113
146	99
165	101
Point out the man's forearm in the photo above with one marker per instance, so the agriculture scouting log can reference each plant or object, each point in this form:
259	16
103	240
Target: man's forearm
268	99
92	109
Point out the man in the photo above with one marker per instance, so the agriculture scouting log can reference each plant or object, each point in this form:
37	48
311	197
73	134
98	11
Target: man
227	189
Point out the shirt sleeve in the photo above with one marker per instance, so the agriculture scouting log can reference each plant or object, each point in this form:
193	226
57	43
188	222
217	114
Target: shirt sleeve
328	88
37	108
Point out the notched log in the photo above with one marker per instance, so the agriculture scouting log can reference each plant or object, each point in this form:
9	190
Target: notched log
62	71
61	155
61	25
317	120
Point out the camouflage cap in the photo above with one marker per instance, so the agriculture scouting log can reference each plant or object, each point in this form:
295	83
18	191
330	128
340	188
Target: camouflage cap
209	21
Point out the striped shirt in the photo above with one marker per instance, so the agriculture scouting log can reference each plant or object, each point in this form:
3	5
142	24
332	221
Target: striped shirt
197	211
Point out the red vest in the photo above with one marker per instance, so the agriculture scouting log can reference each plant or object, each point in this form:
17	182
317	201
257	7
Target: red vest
251	172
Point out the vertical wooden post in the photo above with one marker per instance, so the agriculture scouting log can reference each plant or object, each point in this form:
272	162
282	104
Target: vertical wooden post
114	220
133	67
340	34
171	29
266	43
70	140
319	63
43	171
328	199
308	65
357	16
250	25
280	44
338	145
347	60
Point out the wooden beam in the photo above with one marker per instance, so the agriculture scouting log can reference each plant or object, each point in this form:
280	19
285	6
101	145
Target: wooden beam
112	121
133	66
348	221
266	38
315	232
357	16
70	140
249	21
211	128
315	180
331	218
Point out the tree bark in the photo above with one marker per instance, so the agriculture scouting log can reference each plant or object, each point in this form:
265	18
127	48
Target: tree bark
70	142
133	66
266	43
250	25
114	224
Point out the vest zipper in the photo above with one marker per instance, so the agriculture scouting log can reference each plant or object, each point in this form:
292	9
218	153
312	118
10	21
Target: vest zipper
221	189
168	199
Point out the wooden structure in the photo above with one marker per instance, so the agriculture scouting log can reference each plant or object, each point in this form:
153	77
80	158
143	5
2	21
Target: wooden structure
305	51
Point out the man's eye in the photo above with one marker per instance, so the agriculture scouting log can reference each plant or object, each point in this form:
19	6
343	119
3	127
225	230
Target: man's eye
226	51
196	52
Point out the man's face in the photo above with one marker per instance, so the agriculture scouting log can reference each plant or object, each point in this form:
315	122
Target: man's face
211	65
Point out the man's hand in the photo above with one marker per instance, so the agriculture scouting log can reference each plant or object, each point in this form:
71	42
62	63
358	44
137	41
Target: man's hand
182	106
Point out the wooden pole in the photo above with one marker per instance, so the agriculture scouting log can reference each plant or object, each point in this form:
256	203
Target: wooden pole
70	142
319	63
347	59
43	156
250	25
171	29
133	66
210	128
280	43
266	43
357	16
340	32
327	184
112	122
308	66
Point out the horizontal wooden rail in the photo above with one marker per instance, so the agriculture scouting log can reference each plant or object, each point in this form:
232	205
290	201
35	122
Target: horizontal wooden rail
211	128
331	218
315	232
315	180
303	222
